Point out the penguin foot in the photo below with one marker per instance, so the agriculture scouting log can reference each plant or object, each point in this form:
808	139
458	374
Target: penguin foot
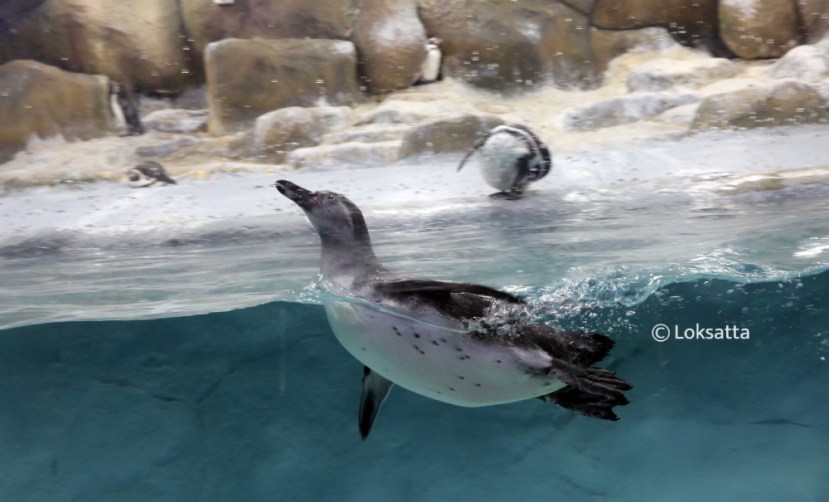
506	195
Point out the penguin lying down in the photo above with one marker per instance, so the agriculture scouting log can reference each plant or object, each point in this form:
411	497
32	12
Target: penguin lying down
442	339
148	174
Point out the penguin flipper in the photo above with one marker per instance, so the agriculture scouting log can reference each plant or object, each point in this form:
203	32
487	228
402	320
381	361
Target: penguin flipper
375	391
475	148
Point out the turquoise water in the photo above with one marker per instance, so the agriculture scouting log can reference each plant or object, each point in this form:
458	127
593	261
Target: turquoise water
261	404
197	364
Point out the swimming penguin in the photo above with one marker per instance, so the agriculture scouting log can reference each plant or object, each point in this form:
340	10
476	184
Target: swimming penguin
458	343
430	68
511	157
147	174
129	110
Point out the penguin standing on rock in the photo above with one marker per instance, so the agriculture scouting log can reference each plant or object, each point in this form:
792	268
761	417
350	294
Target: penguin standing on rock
430	68
148	174
511	157
128	108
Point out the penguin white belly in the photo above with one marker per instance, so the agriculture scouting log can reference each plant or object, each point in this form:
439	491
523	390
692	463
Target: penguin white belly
435	359
430	69
498	160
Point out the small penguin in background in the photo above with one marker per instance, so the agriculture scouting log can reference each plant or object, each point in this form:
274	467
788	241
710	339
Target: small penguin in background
511	157
129	110
430	68
148	174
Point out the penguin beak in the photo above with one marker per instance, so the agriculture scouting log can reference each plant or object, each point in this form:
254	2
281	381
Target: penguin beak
302	197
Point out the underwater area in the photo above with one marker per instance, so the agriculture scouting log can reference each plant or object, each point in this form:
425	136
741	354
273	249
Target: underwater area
191	359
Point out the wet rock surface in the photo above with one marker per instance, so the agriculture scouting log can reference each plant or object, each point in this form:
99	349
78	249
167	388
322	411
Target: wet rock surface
246	78
43	101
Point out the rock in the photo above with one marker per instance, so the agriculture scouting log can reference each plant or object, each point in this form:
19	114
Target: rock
206	22
286	129
785	103
609	44
730	85
680	115
690	22
822	89
512	46
623	110
397	111
755	29
367	134
391	44
165	149
814	15
138	43
247	78
456	134
667	73
362	154
177	120
11	9
37	99
806	62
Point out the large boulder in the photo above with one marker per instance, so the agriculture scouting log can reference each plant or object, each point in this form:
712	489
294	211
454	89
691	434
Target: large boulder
512	46
138	43
814	15
455	134
206	22
784	103
40	100
755	29
286	129
247	78
391	44
690	22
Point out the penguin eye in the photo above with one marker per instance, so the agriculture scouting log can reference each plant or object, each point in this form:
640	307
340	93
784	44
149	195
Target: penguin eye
330	196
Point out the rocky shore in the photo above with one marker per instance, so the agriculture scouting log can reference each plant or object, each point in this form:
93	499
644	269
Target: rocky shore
315	84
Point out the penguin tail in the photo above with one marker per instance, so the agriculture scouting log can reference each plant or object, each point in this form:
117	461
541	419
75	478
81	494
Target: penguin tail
594	395
592	392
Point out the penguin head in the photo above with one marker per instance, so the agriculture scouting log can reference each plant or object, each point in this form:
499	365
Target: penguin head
138	178
333	215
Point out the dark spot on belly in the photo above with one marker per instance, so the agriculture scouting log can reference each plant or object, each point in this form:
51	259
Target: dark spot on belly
462	377
498	361
478	385
396	331
443	340
463	358
435	343
417	335
459	349
547	384
452	389
418	349
364	349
